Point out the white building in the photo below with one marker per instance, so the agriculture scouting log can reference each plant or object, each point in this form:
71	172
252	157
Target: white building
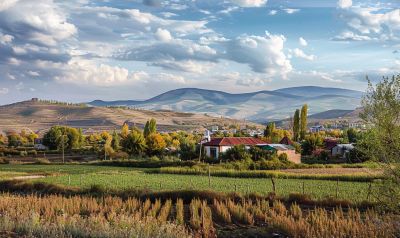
219	145
342	150
316	129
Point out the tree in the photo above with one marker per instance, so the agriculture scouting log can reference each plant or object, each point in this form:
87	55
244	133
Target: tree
238	152
269	130
311	143
124	131
14	140
150	127
381	111
2	139
115	141
134	143
303	122
51	138
155	144
187	149
71	137
352	135
296	125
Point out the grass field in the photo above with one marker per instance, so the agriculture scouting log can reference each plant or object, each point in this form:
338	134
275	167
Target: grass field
120	177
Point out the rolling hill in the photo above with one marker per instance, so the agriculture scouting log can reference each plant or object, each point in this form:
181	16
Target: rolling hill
39	116
255	106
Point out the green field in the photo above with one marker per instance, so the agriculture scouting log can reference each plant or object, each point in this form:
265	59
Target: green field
120	177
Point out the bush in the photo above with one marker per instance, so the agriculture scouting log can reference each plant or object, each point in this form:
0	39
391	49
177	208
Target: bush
32	152
154	159
283	157
235	153
42	161
120	155
4	161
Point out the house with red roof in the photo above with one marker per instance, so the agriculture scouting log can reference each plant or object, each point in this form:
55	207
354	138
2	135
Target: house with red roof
219	145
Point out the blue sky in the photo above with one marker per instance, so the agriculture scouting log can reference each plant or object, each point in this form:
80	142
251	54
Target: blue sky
80	50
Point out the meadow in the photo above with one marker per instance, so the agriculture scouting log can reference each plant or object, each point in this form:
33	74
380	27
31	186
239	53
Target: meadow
84	176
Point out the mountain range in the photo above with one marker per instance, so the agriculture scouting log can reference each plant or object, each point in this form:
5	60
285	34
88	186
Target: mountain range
257	106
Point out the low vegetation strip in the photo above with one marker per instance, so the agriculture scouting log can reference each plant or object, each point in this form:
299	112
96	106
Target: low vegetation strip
357	191
43	189
361	177
108	216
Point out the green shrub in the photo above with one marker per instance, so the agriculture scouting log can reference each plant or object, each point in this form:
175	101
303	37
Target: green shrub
42	161
4	160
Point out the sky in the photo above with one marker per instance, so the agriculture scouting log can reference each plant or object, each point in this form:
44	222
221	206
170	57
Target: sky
81	50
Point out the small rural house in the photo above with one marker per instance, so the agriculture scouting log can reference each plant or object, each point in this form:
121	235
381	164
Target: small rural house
38	144
316	129
330	143
215	146
342	150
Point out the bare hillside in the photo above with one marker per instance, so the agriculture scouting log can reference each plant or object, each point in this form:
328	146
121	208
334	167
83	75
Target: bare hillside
39	116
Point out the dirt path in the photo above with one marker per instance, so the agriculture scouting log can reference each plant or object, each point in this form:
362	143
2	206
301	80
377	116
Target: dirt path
28	177
335	171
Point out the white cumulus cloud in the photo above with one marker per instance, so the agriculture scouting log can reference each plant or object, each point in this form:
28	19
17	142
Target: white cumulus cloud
163	35
300	54
5	4
291	10
3	90
250	3
264	54
345	3
302	41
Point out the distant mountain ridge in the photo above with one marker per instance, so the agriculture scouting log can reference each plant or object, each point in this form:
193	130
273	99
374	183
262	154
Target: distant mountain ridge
256	106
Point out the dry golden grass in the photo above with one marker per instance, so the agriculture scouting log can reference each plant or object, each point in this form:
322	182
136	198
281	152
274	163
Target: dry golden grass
83	216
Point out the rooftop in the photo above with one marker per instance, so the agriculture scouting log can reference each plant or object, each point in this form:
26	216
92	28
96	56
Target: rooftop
231	141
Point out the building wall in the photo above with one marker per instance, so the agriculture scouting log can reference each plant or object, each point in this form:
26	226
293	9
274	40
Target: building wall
292	155
208	150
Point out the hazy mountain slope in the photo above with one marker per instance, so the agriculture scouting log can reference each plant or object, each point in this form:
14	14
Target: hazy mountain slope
313	91
331	114
257	106
40	116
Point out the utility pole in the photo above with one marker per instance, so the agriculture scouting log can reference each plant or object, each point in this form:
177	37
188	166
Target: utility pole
105	152
62	141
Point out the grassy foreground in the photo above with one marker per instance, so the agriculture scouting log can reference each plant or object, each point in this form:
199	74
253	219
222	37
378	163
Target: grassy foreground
120	177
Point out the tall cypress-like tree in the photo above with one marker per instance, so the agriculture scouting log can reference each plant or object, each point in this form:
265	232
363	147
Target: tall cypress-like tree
150	127
303	121
146	130
115	141
296	125
124	130
269	130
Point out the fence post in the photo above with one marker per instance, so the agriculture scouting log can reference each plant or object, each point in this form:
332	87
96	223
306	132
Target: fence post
209	176
303	188
337	189
369	191
80	180
273	185
69	180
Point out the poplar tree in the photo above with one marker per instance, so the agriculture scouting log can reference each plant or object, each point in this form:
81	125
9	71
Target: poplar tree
303	122
150	127
296	125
